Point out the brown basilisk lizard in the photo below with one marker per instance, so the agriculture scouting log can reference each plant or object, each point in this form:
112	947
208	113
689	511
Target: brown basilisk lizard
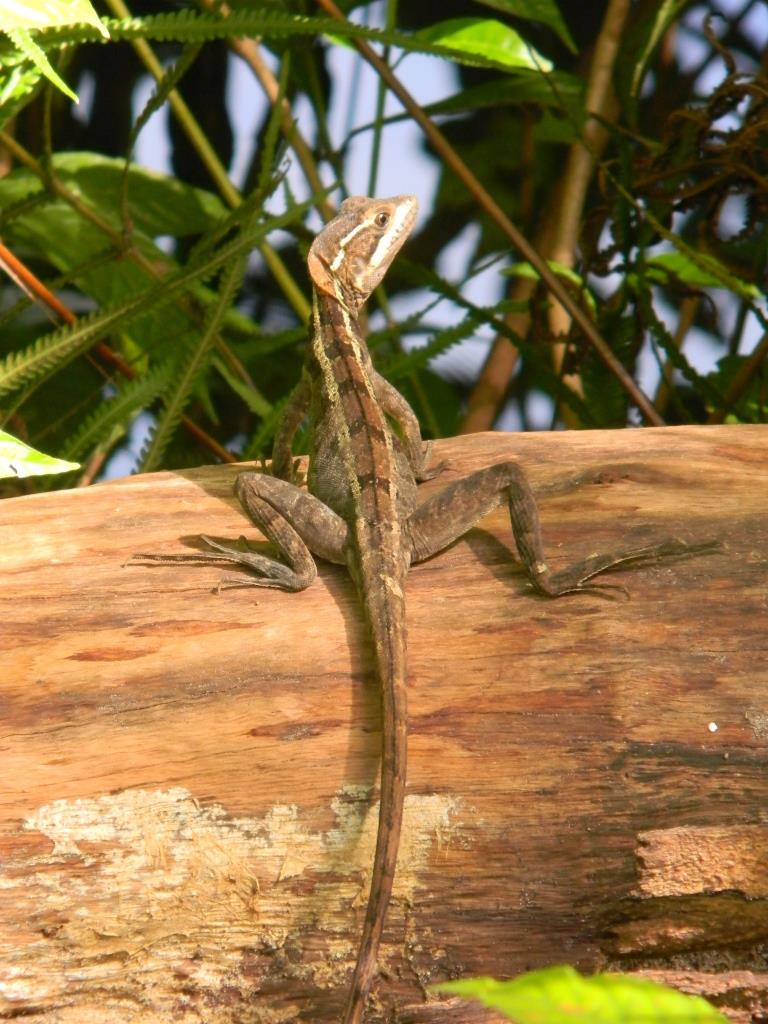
360	507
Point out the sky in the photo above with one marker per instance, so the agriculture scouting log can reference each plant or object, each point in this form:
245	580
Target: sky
429	79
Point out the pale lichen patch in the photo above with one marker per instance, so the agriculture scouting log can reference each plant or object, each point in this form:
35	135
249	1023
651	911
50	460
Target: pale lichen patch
141	886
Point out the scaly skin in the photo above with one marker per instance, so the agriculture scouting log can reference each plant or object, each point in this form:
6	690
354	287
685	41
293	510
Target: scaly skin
358	468
360	508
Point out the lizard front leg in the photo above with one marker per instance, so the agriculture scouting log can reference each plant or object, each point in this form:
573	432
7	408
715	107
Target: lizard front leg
448	515
296	523
399	410
294	412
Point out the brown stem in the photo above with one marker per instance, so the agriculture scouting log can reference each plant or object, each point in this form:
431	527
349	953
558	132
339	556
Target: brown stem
600	106
484	199
688	309
249	51
741	380
33	286
557	238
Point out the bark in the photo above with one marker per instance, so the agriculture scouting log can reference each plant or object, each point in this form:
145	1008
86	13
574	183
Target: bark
188	793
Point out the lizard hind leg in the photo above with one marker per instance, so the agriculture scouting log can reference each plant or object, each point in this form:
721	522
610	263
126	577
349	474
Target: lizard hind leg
450	513
296	523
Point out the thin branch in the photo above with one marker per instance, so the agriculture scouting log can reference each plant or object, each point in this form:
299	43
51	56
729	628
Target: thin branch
741	380
250	52
215	168
32	285
600	106
688	309
557	238
444	149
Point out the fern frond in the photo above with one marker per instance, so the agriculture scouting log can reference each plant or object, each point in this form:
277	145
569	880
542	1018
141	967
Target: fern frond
61	346
440	342
18	82
189	26
255	447
253	399
132	397
195	366
24	42
164	87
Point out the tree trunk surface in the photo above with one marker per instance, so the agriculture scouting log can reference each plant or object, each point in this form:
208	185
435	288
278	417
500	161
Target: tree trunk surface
189	778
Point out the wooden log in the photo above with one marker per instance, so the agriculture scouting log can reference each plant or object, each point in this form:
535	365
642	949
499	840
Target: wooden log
188	784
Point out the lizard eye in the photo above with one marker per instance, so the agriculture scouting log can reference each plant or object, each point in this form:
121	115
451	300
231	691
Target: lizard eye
382	219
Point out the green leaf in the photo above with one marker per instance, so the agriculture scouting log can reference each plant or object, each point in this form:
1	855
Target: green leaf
707	272
567	273
198	356
662	18
497	43
545	11
17	80
527	270
560	995
338	40
39	14
18	17
251	396
160	204
188	26
113	416
55	349
24	42
52	231
559	90
19	460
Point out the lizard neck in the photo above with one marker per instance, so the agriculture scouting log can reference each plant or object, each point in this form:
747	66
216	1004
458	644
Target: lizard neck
336	326
344	364
361	440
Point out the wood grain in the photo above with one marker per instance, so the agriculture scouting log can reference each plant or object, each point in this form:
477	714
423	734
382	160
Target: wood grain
187	789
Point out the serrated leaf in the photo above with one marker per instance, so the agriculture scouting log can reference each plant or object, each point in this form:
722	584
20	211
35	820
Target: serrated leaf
40	14
24	42
19	460
663	17
567	273
338	40
17	17
698	274
189	27
497	43
251	396
560	995
17	80
560	90
60	346
115	414
193	366
545	11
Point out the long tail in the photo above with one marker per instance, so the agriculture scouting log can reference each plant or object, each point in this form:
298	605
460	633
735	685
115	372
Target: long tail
385	610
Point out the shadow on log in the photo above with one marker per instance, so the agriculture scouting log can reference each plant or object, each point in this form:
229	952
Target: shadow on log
188	784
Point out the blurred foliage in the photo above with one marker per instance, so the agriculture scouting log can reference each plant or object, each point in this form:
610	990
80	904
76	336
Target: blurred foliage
560	995
172	319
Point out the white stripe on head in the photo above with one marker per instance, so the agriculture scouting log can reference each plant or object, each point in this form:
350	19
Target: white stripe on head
385	242
338	259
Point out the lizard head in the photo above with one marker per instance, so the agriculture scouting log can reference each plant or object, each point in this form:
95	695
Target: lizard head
354	250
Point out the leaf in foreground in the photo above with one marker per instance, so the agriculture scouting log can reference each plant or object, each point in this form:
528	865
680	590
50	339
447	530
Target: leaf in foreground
18	459
560	995
19	17
486	38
